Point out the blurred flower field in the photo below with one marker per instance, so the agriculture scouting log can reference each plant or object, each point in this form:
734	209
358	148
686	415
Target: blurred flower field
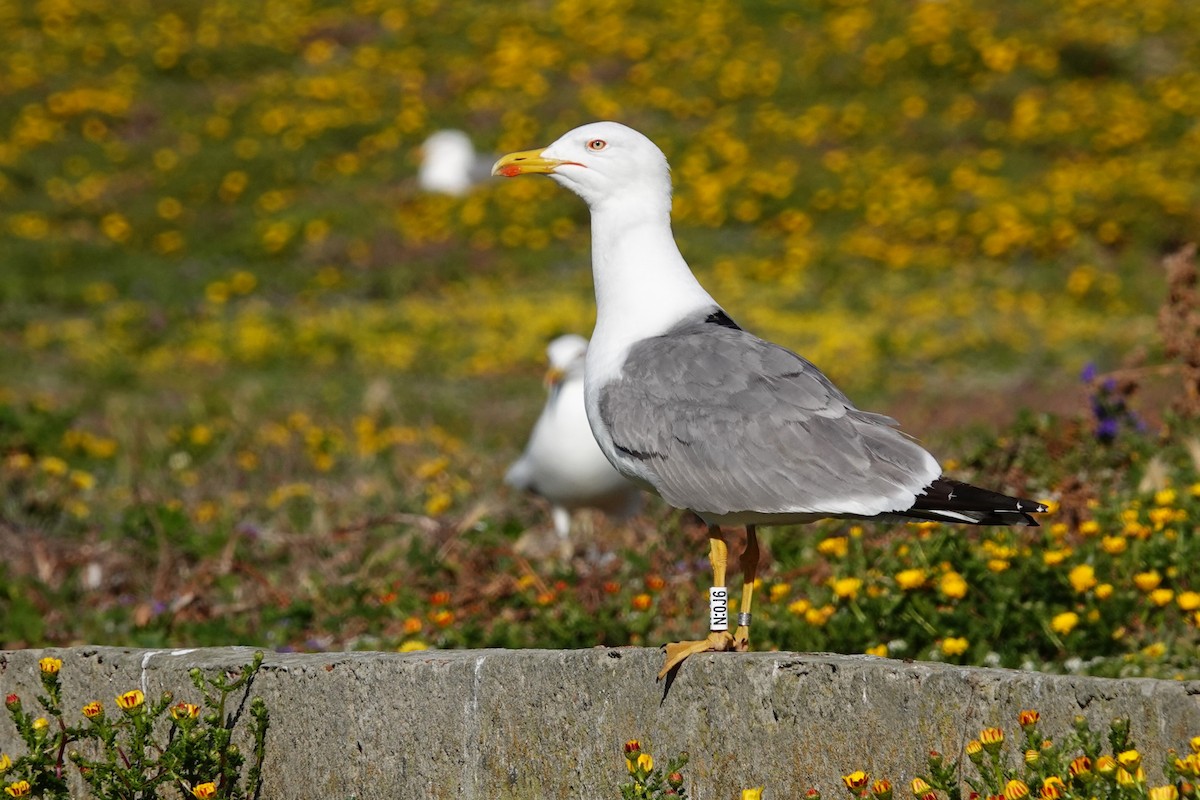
259	389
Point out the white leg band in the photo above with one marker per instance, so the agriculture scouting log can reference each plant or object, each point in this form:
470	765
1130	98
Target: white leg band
718	608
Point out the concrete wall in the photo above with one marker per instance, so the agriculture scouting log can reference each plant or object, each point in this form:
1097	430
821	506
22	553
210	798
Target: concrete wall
551	724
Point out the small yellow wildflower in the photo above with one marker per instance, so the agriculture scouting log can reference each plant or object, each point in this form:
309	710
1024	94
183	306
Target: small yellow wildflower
131	700
991	739
203	791
752	794
879	650
920	787
856	781
953	586
909	579
1015	790
954	645
1161	597
846	588
18	789
1147	581
93	709
50	665
1188	601
1082	577
181	711
1104	591
1168	792
1114	545
1064	623
834	547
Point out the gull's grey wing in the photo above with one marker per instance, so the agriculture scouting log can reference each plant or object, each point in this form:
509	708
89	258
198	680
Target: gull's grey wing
722	422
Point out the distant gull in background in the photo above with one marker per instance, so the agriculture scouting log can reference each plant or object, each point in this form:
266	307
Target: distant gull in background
685	402
562	461
449	164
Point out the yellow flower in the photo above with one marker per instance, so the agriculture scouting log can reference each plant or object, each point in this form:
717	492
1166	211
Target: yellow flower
975	750
1104	591
93	709
1081	767
1064	623
1188	601
991	739
856	781
50	665
40	724
1161	597
1082	577
1028	717
779	591
1106	765
846	588
1194	743
834	546
998	565
879	650
752	794
131	700
18	789
1129	759
1114	545
882	789
203	791
181	711
1147	581
953	586
799	607
1015	789
920	787
1130	778
5	763
1168	792
1052	558
910	579
954	645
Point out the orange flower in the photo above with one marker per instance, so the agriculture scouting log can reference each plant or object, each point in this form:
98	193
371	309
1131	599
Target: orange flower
641	602
204	791
881	789
1028	718
655	583
992	739
93	709
920	787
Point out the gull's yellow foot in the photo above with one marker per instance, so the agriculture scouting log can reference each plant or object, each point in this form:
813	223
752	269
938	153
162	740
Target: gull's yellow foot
717	642
741	638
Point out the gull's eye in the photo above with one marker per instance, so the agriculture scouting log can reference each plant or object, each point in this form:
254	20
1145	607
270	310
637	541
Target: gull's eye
596	145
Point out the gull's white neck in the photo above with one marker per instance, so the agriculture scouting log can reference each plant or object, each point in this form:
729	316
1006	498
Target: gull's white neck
643	285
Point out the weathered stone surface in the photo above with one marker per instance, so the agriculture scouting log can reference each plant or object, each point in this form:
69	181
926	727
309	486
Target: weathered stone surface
538	724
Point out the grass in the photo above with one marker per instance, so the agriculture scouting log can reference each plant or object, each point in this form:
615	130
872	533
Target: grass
259	389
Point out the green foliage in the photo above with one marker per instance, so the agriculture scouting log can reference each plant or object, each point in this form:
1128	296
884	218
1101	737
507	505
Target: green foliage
650	782
145	749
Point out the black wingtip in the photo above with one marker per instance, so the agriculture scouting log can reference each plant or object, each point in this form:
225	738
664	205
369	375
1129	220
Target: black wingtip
954	501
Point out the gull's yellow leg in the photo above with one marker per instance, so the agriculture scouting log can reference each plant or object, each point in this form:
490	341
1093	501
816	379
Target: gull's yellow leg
749	562
717	640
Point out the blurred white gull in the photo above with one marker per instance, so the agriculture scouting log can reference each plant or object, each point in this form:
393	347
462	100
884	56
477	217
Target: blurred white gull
449	164
562	461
